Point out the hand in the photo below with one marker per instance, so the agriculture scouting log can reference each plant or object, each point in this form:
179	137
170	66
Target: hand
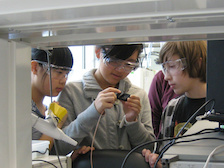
151	158
132	108
106	99
82	150
62	121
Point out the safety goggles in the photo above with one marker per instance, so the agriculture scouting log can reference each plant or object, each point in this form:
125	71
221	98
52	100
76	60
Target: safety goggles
127	66
174	67
57	72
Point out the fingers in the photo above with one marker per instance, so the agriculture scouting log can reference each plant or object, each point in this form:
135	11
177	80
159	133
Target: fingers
147	155
151	158
85	149
82	150
133	102
132	108
111	89
106	99
143	152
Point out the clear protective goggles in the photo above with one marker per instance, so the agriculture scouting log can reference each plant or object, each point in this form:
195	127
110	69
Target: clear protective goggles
127	66
57	72
174	67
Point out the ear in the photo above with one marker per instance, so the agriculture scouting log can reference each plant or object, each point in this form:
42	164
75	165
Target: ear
97	52
34	67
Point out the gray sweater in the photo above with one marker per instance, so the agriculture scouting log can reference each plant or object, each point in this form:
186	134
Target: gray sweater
78	98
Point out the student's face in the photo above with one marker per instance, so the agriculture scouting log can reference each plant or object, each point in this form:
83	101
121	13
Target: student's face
111	75
179	81
57	83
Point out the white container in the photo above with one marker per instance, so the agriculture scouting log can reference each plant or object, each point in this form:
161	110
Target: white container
40	148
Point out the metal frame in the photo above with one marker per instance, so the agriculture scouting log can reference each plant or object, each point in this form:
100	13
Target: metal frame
64	23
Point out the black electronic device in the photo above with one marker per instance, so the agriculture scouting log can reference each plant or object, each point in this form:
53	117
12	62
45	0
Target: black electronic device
123	96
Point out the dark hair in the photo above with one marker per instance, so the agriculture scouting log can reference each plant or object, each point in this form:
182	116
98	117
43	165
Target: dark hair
123	51
58	56
193	51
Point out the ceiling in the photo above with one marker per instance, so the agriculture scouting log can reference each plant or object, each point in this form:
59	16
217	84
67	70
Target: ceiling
56	23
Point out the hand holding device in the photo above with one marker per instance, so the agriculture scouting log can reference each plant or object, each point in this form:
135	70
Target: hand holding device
132	108
123	96
106	99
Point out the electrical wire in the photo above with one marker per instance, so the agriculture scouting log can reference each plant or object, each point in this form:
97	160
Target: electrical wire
94	135
178	134
211	154
40	160
192	140
50	82
171	143
197	139
49	69
42	153
135	148
194	115
201	132
155	147
56	150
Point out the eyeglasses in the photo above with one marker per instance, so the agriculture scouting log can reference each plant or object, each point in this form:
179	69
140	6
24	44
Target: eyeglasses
57	72
118	63
174	67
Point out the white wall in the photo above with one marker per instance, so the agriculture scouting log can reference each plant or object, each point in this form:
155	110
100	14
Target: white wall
15	104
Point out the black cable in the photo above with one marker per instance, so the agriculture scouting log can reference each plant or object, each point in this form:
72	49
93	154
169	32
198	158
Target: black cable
168	145
172	139
191	119
163	151
50	81
45	162
198	139
41	152
135	148
192	140
178	134
193	116
169	139
49	69
56	151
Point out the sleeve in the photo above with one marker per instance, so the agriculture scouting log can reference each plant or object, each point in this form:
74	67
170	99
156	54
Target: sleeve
167	123
142	130
155	96
78	123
